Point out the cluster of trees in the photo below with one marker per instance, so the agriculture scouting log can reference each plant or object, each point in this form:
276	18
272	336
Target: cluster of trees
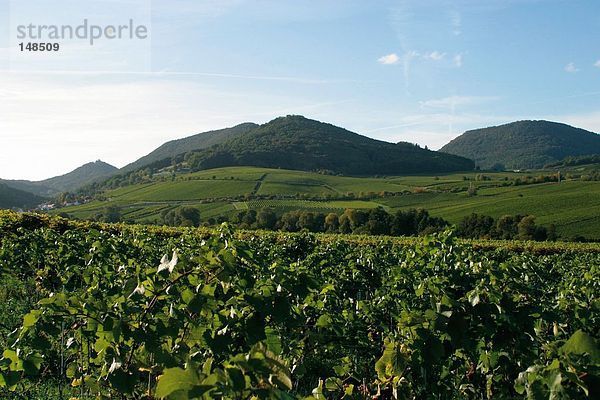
574	161
521	180
508	227
589	176
376	221
108	214
403	223
531	180
478	178
518	181
182	216
372	222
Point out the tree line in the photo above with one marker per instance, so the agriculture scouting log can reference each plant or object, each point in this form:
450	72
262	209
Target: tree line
369	222
376	221
507	227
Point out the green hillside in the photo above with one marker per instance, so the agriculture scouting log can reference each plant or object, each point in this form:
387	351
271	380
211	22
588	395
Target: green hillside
299	143
195	142
15	198
523	144
571	205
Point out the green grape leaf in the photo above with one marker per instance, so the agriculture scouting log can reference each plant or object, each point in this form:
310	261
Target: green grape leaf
581	343
176	379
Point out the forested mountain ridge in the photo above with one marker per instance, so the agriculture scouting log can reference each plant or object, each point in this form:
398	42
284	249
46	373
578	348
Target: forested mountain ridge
523	144
298	143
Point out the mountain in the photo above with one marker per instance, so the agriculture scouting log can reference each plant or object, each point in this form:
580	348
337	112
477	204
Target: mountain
71	181
85	174
523	144
299	143
15	198
197	142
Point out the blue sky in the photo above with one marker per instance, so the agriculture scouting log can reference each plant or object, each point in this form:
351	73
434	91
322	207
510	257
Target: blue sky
419	71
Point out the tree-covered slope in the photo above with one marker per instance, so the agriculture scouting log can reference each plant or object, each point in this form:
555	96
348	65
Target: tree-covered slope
36	188
196	142
299	143
15	198
524	144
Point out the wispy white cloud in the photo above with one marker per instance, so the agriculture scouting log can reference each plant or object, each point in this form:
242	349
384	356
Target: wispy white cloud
597	64
389	59
435	55
458	60
409	56
571	68
441	119
456	22
407	60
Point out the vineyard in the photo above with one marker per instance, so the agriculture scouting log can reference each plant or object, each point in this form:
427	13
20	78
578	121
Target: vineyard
104	311
570	205
292	205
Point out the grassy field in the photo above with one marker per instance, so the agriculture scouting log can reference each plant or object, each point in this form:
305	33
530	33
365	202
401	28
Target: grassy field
572	205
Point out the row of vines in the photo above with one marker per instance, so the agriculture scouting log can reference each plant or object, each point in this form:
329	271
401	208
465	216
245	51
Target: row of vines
135	312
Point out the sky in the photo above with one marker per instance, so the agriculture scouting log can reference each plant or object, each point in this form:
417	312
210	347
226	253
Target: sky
421	71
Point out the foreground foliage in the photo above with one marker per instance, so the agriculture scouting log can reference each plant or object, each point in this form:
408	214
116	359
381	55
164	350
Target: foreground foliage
131	312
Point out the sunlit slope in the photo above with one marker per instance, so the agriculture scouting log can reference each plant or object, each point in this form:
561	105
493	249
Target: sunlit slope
573	206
